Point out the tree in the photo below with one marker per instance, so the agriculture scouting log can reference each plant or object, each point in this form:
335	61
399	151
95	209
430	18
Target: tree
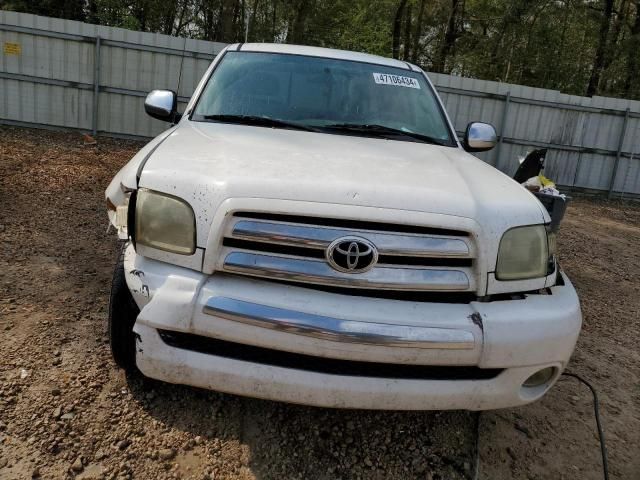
397	27
452	33
225	31
407	32
602	49
418	32
69	9
575	46
297	22
632	76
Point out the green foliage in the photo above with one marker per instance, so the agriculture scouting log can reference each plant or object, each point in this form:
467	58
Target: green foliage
70	9
575	46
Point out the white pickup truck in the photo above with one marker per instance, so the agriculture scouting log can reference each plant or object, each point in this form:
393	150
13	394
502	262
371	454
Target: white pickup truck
311	230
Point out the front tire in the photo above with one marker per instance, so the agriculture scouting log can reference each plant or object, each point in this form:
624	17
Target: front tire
123	312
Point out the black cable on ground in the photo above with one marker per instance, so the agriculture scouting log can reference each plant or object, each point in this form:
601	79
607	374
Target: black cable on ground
596	409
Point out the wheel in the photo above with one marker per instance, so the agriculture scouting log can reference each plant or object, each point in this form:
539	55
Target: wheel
123	312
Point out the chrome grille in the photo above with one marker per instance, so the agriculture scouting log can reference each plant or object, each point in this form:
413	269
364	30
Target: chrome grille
292	248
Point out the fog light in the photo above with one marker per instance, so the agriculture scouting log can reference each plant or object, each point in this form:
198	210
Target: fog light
540	377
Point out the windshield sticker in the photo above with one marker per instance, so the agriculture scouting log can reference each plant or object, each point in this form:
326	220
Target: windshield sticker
397	80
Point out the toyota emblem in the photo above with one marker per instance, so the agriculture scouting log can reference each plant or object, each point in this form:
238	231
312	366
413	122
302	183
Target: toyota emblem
352	255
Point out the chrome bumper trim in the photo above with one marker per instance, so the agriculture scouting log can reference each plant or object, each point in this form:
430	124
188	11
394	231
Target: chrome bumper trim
338	330
320	237
319	272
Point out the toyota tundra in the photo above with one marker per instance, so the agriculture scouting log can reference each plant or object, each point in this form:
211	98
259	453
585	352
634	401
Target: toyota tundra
311	229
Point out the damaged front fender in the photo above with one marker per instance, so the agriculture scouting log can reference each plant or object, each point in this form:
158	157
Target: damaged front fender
125	181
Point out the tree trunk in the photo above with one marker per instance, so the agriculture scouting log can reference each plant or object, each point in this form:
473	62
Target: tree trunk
417	33
224	32
602	50
526	67
613	47
407	33
633	56
274	16
183	18
551	74
211	21
92	12
296	31
169	17
515	11
252	20
450	37
237	21
139	12
397	27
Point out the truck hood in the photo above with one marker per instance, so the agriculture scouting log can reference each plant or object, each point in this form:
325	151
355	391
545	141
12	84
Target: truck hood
207	163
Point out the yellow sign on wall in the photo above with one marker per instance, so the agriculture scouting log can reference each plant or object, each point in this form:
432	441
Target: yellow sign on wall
12	48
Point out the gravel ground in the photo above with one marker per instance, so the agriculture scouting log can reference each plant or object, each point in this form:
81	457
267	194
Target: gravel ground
67	412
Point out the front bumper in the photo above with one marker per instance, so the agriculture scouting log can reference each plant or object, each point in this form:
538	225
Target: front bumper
518	337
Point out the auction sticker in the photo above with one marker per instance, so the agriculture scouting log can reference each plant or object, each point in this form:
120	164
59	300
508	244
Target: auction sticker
12	48
397	80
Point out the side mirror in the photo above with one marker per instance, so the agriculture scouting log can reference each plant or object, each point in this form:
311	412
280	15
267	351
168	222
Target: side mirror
479	137
163	105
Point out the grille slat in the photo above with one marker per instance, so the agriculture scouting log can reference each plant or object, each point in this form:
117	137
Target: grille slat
320	237
351	224
319	272
280	249
293	248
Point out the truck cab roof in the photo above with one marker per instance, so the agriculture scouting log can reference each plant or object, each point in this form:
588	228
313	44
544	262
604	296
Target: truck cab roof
322	52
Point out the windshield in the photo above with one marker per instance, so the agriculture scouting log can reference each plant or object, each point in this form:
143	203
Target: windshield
322	94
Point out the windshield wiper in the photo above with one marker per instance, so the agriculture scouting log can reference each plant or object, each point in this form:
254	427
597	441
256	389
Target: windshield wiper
258	121
384	132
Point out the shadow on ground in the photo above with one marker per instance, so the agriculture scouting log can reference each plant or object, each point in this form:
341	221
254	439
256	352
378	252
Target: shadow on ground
291	441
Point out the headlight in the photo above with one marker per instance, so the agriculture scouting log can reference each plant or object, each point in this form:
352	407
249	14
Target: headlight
165	222
523	253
